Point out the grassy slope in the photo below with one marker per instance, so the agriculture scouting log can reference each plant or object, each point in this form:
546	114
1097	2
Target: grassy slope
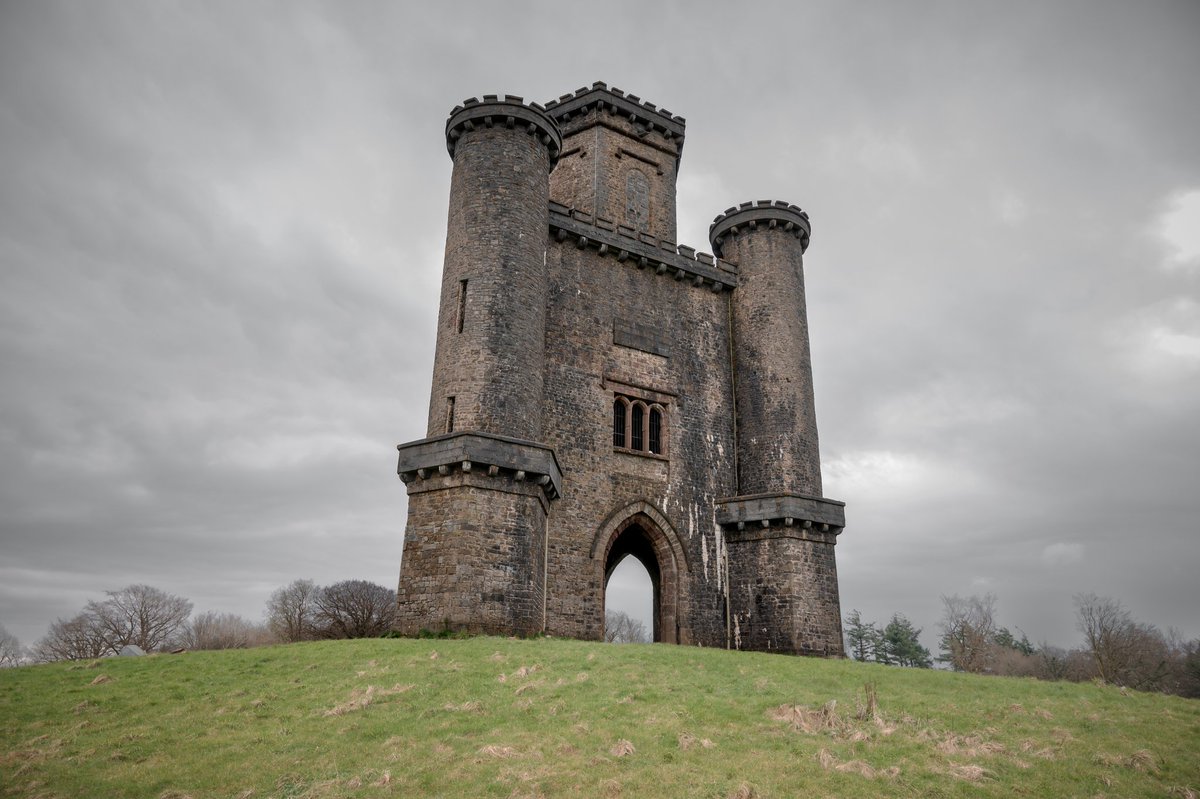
500	717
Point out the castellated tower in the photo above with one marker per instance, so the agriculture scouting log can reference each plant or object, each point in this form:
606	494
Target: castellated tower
602	392
475	544
782	572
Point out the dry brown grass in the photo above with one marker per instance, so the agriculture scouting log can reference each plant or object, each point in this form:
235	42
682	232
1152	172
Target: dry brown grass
808	720
867	719
830	762
969	746
499	751
1142	760
101	679
968	771
689	741
622	748
744	791
1036	749
466	707
361	698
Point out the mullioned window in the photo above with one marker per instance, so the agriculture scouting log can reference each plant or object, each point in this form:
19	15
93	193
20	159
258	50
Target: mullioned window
639	426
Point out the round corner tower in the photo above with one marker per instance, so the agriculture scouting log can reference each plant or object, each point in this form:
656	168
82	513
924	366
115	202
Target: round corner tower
487	372
777	425
780	530
480	483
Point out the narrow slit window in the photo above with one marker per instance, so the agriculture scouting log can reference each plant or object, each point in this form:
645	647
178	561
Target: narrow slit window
462	304
449	414
638	419
656	431
618	422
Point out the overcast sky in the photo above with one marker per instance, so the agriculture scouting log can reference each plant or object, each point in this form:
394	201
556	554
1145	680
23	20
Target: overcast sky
221	232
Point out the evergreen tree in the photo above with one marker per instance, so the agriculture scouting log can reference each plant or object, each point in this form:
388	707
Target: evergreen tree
1007	640
862	638
902	645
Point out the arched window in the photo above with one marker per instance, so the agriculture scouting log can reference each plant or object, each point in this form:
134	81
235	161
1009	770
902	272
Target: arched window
620	406
639	426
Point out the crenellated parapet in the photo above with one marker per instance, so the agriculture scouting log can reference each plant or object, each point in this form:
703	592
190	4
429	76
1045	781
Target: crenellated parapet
772	214
602	97
640	249
509	111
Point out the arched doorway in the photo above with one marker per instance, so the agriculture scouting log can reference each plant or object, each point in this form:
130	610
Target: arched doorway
633	545
641	531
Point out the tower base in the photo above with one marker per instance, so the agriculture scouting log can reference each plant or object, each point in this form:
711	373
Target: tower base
783	592
475	542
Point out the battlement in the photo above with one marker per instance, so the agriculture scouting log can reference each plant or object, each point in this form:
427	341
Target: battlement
509	111
772	213
600	96
642	250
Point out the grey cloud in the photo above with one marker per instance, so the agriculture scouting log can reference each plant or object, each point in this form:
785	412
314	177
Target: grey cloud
221	229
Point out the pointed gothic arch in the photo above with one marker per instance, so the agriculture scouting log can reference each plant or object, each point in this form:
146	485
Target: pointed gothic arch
640	530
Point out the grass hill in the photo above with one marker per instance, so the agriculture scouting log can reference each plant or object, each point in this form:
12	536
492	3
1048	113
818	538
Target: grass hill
527	718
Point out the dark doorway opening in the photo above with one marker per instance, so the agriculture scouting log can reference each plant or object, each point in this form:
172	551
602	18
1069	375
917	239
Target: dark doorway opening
634	541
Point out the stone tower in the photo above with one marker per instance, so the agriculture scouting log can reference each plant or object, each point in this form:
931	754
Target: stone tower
601	391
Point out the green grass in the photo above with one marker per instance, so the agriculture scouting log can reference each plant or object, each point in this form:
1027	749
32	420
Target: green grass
501	717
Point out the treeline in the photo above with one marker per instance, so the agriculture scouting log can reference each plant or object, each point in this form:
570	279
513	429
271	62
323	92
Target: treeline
153	620
1117	649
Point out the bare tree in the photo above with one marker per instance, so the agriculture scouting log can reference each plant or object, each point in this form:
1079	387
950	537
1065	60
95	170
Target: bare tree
212	630
141	615
10	649
968	633
292	611
1126	652
355	609
1184	678
621	628
78	638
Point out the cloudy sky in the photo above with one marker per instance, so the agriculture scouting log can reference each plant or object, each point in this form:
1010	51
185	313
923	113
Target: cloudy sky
221	228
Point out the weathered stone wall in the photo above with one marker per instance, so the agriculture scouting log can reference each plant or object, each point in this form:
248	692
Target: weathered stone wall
592	296
491	328
777	422
620	160
474	549
784	592
474	556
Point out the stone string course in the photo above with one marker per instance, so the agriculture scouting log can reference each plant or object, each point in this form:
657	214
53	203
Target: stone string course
641	250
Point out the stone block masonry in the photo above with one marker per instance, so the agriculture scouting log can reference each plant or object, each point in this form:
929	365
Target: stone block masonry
601	391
